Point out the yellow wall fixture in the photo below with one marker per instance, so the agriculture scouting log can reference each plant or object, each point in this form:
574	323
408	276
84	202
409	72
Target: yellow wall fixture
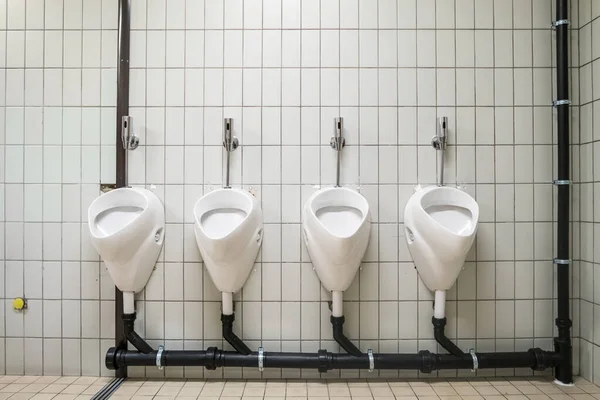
19	303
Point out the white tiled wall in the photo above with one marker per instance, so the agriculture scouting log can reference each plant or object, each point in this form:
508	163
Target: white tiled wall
589	165
283	70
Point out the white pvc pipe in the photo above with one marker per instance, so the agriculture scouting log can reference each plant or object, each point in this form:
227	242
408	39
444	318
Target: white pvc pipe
337	304
439	308
227	303
128	302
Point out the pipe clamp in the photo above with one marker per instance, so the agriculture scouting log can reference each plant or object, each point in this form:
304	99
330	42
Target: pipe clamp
475	360
559	22
559	261
556	103
561	182
371	360
261	359
159	356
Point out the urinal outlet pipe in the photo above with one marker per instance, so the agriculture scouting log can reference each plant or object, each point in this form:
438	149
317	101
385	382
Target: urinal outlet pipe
128	303
227	303
337	303
323	361
439	305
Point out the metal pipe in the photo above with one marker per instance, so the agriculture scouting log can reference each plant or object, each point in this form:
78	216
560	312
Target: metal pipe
562	343
324	361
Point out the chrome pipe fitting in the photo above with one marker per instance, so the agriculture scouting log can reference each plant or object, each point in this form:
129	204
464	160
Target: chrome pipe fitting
337	143
129	139
230	143
439	144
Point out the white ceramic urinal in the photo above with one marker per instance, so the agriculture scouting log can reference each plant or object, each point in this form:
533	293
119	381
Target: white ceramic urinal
440	224
337	225
127	229
228	227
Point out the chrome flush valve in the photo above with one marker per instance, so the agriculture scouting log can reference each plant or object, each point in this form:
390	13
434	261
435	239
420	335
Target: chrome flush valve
439	140
130	140
337	142
230	142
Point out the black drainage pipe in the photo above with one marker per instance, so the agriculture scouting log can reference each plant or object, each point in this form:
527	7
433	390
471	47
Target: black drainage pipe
231	337
323	360
338	334
440	336
562	343
132	336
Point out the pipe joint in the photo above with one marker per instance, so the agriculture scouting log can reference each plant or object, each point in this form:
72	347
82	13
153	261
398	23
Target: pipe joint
563	323
325	360
211	358
427	361
111	359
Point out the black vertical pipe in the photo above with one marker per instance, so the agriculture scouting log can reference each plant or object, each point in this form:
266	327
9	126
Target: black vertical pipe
121	168
562	343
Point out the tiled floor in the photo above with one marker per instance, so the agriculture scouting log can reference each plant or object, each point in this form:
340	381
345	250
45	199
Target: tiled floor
83	388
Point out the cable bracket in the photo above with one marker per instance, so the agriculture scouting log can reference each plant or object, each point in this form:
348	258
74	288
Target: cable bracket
371	360
559	23
560	182
475	360
556	103
159	356
561	262
261	359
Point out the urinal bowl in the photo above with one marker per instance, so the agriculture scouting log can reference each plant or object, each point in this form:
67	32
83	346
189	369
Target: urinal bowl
337	225
127	230
440	226
228	228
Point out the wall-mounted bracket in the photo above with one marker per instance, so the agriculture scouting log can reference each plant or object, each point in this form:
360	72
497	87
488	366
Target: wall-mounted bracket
559	261
560	22
107	187
556	103
560	182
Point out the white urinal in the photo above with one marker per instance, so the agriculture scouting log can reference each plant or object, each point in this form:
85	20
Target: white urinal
440	224
228	227
127	229
337	225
